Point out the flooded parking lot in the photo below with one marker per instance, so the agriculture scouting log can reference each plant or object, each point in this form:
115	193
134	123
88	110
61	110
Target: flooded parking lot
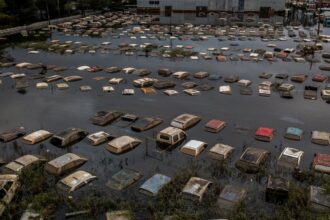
55	110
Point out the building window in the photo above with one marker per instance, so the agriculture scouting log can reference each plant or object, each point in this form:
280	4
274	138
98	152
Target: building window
201	11
154	2
264	12
168	11
241	5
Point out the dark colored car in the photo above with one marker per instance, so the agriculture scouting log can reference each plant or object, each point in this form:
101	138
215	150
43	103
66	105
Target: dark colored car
103	118
68	136
146	123
310	92
12	134
164	84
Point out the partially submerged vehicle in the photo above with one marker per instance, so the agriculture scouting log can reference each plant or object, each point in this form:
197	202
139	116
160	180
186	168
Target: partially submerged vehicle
231	78
310	92
8	186
146	123
23	163
290	158
225	89
12	134
320	137
299	78
244	82
170	137
181	74
64	163
201	75
318	199
162	84
164	72
252	160
75	181
230	197
68	136
195	188
141	72
264	88
325	93
286	87
126	120
113	69
154	184
72	78
122	144
220	152
98	138
193	147
277	189
191	92
103	118
321	163
264	134
123	179
215	125
185	121
293	133
128	92
36	137
52	78
143	82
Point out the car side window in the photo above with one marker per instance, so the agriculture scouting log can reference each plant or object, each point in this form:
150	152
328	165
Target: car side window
176	138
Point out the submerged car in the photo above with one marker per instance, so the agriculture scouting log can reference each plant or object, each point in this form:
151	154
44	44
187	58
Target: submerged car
193	147
75	181
164	72
185	121
23	163
264	134
8	186
36	137
162	84
153	185
123	144
98	138
68	136
62	164
123	179
12	134
195	188
310	92
103	118
146	123
170	137
252	160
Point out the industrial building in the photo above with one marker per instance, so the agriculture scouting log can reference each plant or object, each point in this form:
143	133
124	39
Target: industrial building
210	11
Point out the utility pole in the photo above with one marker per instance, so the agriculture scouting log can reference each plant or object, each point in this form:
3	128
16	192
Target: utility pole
319	19
47	10
58	8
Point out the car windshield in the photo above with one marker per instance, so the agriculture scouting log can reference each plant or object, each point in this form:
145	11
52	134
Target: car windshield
250	157
164	137
101	114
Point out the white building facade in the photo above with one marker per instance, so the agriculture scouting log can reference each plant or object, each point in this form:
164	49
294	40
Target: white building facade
209	11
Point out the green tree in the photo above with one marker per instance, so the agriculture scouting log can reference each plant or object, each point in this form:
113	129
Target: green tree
3	5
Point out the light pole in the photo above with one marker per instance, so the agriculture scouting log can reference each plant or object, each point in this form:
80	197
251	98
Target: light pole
47	10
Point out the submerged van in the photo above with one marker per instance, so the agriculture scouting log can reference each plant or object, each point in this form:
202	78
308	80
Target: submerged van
170	137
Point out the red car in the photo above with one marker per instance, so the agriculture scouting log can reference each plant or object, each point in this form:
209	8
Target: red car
215	125
321	163
264	134
319	77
